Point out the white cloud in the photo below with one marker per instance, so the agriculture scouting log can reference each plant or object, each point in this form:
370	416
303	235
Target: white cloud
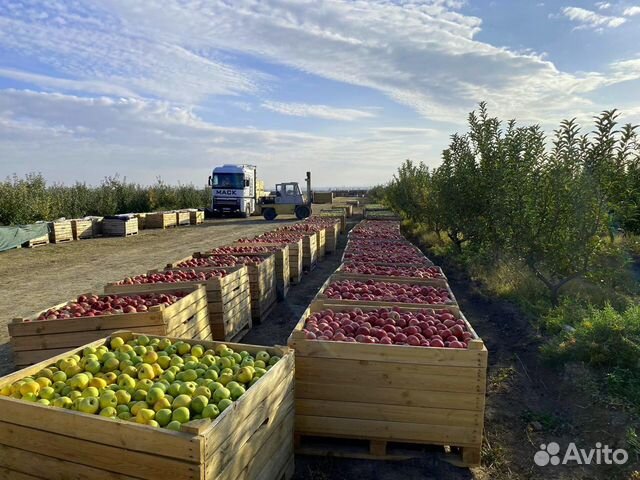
317	111
631	11
603	5
591	20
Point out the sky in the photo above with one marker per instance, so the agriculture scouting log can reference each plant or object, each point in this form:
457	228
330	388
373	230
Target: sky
345	88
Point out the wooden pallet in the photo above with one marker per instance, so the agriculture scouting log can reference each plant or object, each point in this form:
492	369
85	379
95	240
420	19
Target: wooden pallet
119	227
36	242
60	232
197	217
418	395
81	228
252	440
160	220
183	218
33	340
228	299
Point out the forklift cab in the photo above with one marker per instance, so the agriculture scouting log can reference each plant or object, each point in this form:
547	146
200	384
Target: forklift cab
288	194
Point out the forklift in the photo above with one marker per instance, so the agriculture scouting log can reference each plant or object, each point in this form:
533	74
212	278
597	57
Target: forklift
288	200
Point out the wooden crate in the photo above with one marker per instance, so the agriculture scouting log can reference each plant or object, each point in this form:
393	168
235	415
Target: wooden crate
294	253
390	393
252	439
412	281
60	231
160	220
141	219
119	227
321	240
348	209
228	301
309	251
196	217
82	228
338	213
97	226
332	235
35	340
436	282
183	218
322	197
282	265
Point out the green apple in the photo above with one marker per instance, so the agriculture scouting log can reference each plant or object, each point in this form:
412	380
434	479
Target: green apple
224	404
89	405
176	361
210	411
197	351
225	378
123	397
259	364
145	415
124	416
247	362
181	414
150	357
91	392
224	362
130	370
74	394
145	372
144	384
162	403
168	375
110	364
116	342
139	395
63	402
59	376
245	374
163	416
208	360
137	407
59	386
93	366
164	361
99	383
220	394
259	372
154	395
43	401
183	348
226	352
188	375
213	386
162	385
174	425
263	356
164	343
273	360
108	399
198	403
126	381
137	360
47	393
109	412
174	389
122	408
181	401
46	373
143	340
237	391
79	381
187	388
140	350
202	390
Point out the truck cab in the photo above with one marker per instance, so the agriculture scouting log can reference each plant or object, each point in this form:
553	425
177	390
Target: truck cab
233	189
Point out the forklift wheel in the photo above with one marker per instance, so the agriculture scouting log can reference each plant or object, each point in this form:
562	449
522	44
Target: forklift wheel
302	212
269	214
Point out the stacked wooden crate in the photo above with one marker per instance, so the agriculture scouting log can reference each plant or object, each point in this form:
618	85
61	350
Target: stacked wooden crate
34	340
282	263
196	217
60	231
252	440
183	217
119	226
82	228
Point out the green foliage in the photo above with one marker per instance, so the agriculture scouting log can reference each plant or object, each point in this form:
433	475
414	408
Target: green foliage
602	338
501	196
29	199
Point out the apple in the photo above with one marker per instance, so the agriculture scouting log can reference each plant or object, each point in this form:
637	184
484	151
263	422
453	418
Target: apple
181	414
89	405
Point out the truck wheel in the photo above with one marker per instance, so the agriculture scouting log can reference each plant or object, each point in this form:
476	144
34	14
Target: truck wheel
243	215
269	214
302	212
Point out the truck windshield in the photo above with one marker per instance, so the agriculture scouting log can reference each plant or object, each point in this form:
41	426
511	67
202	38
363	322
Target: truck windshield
228	180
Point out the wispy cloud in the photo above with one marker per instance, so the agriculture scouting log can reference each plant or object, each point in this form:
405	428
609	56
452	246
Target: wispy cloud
588	19
631	11
317	111
603	5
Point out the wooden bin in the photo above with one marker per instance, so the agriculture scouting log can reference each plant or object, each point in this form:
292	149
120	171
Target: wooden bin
348	209
282	265
60	231
81	228
141	219
321	240
97	224
262	280
119	227
228	299
322	197
37	242
338	214
390	393
410	281
35	340
196	217
252	439
160	220
183	218
294	253
309	251
436	282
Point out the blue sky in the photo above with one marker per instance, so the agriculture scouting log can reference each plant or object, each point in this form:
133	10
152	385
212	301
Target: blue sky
345	88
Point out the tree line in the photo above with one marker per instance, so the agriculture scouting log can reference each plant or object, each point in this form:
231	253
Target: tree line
503	190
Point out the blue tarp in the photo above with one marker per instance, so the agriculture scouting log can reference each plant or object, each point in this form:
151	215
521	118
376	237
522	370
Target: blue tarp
13	237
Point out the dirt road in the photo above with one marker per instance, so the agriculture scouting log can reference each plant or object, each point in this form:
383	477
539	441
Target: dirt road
34	279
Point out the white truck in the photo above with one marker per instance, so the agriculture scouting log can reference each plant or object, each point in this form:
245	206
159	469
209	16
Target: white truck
234	190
